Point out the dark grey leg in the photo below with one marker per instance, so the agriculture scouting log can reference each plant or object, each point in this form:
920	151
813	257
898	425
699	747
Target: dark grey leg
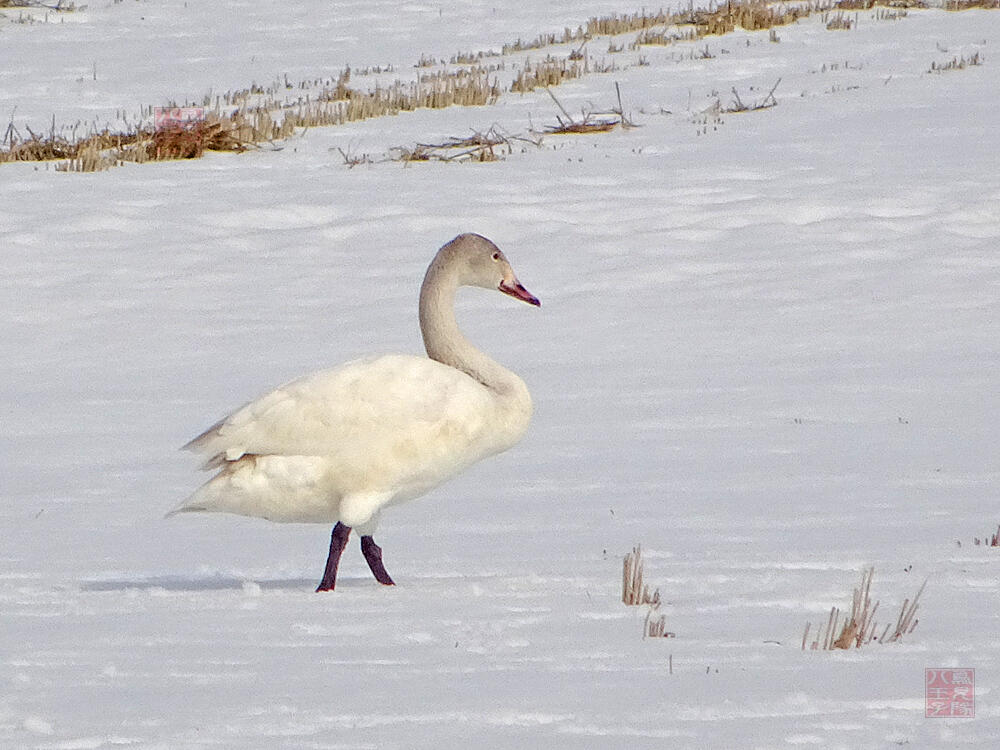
373	554
338	540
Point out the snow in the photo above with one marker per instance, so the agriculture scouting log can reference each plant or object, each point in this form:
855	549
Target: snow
767	351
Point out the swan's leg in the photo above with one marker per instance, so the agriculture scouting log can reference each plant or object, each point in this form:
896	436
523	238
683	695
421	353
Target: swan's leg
338	540
373	554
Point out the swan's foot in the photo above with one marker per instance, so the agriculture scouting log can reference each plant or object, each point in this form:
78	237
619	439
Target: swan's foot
371	551
373	554
338	540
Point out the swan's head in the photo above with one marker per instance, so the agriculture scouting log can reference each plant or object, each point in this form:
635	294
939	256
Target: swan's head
478	262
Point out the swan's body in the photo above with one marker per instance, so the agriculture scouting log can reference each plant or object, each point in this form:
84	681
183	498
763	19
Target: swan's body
341	444
338	445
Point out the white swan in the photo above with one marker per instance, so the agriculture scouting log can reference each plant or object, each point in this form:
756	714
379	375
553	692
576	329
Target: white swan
339	445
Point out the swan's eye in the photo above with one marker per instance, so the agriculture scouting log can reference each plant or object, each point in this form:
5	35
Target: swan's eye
496	256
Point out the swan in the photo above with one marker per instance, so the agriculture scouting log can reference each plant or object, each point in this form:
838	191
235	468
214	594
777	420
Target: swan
340	445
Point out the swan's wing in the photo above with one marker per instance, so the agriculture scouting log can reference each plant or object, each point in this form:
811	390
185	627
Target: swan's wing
360	411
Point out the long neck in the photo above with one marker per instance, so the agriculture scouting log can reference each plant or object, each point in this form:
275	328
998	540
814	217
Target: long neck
445	343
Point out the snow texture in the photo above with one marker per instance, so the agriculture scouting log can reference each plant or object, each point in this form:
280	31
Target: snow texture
768	352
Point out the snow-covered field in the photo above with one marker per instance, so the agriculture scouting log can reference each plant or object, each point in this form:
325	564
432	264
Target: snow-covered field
767	351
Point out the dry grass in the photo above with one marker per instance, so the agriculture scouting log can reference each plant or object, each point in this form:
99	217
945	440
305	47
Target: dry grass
957	63
35	148
57	5
488	146
859	627
549	72
252	124
656	627
471	58
766	103
661	37
887	14
56	146
589	123
839	22
192	142
990	540
634	591
495	143
352	159
959	5
751	15
259	114
615	25
868	4
585	126
89	158
546	40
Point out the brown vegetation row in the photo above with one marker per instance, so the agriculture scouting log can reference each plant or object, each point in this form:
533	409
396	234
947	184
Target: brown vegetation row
249	124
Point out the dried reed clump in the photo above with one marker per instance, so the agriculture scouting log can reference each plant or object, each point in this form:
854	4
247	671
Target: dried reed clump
545	40
57	5
229	134
488	146
493	144
585	126
754	15
636	593
859	628
472	58
990	540
89	158
885	14
96	154
662	37
340	90
37	148
588	124
430	91
959	5
839	22
241	96
766	103
656	627
900	5
550	72
82	154
751	15
957	63
460	87
615	24
338	103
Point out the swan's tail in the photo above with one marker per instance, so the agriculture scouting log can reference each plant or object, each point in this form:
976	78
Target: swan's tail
277	488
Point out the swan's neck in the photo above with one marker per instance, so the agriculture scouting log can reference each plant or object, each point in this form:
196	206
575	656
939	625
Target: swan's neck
445	343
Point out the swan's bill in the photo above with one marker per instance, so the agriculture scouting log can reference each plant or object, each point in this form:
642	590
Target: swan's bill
516	290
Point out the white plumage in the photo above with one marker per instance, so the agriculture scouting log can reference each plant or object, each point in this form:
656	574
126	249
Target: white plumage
339	445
